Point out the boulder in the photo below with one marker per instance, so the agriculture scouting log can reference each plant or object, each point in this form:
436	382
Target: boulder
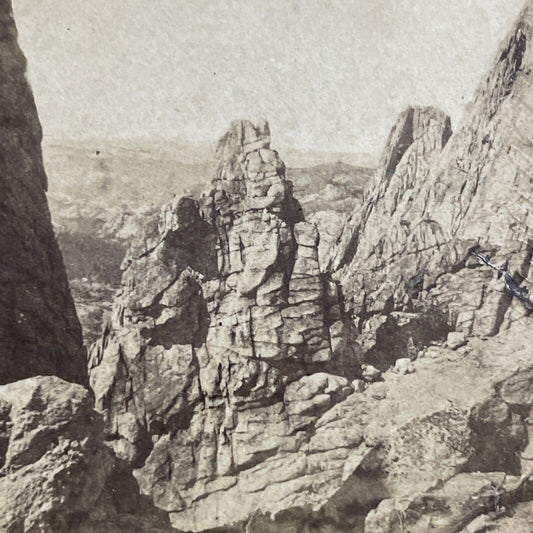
57	475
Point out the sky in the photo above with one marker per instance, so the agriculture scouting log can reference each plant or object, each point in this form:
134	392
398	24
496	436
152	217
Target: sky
327	74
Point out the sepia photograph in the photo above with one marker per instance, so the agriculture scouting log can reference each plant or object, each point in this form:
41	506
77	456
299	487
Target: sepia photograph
265	266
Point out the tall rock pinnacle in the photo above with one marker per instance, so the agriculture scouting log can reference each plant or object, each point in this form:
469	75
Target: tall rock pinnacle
39	329
392	223
222	311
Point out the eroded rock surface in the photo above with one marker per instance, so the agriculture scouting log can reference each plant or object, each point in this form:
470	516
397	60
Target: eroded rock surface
56	473
226	342
251	392
39	329
430	205
441	448
414	289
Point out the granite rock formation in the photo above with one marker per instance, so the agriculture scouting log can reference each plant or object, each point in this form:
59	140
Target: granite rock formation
407	259
39	329
386	249
430	206
443	448
226	341
251	392
56	473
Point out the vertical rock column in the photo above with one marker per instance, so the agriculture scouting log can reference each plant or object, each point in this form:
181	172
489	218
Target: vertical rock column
222	307
39	329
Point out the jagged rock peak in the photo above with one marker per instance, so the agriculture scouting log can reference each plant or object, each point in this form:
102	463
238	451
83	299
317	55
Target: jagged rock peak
428	125
428	208
243	137
39	330
417	137
251	176
223	320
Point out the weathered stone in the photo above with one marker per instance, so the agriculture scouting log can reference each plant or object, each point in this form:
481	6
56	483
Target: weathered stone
456	339
262	414
519	521
39	330
228	313
447	509
418	450
57	475
358	385
404	366
408	248
371	373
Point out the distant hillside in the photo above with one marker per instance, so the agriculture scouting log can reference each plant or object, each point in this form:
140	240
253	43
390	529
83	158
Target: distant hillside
329	185
113	175
328	193
102	194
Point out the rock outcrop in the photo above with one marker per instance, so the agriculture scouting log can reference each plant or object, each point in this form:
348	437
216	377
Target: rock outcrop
387	248
415	290
431	205
226	341
439	449
56	473
39	329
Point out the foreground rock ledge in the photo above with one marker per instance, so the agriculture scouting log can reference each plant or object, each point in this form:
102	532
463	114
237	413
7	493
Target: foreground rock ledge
57	475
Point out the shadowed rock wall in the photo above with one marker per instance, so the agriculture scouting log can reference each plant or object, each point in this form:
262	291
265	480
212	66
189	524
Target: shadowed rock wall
39	329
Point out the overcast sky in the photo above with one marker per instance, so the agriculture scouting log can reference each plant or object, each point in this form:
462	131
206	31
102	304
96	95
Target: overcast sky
327	74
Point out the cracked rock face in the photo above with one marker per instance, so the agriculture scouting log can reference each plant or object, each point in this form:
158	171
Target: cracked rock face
387	248
56	474
39	329
226	375
442	448
388	242
226	341
434	199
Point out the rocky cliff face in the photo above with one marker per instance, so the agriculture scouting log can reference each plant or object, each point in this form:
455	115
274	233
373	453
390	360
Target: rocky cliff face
226	341
429	206
39	330
406	260
56	473
387	248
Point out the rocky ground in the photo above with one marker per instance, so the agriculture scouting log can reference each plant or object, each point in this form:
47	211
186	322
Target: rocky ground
57	474
389	393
